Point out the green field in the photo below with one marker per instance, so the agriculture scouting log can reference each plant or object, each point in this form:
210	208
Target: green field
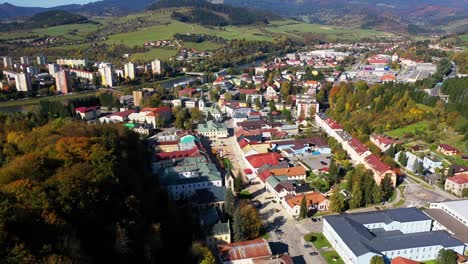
399	132
464	38
35	101
162	54
318	240
332	257
206	45
67	32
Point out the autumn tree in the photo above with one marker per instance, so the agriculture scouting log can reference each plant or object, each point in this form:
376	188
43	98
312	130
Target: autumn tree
337	201
247	222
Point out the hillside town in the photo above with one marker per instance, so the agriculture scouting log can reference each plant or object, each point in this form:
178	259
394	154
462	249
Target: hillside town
262	140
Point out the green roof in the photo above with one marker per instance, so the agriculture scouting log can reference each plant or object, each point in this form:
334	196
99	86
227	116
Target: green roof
169	173
188	139
275	180
210	126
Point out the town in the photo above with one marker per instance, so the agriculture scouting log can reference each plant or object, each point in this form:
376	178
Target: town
263	163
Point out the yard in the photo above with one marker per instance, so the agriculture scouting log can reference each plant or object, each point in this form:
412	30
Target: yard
325	248
413	129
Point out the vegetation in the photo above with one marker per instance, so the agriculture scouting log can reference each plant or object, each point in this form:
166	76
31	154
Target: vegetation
447	256
318	240
377	260
332	257
247	222
73	192
303	210
44	20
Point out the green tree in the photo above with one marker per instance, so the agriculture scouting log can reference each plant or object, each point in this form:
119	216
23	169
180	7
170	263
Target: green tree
377	260
356	200
403	159
376	194
387	187
420	168
202	254
447	256
229	203
247	222
257	103
465	192
303	210
238	183
285	89
272	106
337	202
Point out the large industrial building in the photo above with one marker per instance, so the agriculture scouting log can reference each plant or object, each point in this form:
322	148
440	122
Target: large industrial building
403	232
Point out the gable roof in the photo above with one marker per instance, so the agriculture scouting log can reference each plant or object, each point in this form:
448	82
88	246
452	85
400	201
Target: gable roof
377	164
358	146
251	249
402	260
259	160
311	198
290	172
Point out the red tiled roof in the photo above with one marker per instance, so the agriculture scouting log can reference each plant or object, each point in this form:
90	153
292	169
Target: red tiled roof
401	260
311	198
248	171
377	164
247	91
384	140
243	143
124	113
187	91
388	77
264	175
259	160
448	148
194	152
358	146
333	124
251	249
160	143
459	179
87	109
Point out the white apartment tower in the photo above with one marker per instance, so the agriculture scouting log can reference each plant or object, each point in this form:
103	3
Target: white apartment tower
129	69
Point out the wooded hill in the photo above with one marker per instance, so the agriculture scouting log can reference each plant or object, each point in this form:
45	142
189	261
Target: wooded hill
44	20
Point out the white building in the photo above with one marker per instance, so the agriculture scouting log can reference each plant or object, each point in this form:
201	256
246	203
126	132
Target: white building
63	81
53	68
157	66
305	105
107	75
25	60
82	74
7	62
213	130
41	60
402	232
451	216
73	63
129	69
23	82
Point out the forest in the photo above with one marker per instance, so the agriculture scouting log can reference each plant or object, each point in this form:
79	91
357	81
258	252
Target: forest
76	193
45	19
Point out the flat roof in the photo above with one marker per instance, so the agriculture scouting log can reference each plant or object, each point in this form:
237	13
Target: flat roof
458	206
459	230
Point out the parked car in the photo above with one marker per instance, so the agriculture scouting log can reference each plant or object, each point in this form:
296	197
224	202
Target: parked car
323	162
313	253
307	246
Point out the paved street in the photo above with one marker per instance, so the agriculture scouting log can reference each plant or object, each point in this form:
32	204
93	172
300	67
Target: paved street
416	195
286	234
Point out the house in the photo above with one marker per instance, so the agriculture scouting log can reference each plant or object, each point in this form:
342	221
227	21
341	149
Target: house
88	113
218	234
457	184
255	163
432	163
412	162
118	117
293	173
401	260
244	252
253	148
315	201
402	232
187	92
213	130
380	169
157	116
382	142
448	150
142	129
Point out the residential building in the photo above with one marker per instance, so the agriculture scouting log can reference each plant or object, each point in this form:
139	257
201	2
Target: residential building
244	252
41	60
118	117
53	68
87	75
448	150
25	60
182	177
129	70
23	82
451	216
382	142
73	63
432	163
218	234
457	184
107	75
88	113
7	62
211	197
157	117
306	106
157	67
315	202
213	130
402	232
32	70
63	81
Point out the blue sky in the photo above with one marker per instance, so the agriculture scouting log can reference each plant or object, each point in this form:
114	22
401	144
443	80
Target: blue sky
46	3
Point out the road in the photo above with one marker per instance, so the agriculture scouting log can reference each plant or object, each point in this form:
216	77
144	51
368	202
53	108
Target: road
418	196
286	234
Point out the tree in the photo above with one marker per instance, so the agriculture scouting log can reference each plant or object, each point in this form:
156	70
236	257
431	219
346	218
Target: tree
377	260
420	168
257	103
238	183
229	203
447	256
333	172
403	159
376	194
337	202
285	89
356	198
303	211
272	106
387	187
247	222
202	254
465	192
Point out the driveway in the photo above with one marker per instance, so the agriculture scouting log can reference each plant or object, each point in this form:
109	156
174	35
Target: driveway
286	234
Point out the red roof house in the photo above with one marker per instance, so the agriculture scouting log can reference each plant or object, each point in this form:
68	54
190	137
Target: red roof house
245	250
401	260
258	160
448	150
187	92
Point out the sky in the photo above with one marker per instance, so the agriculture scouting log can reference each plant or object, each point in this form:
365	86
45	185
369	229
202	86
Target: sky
46	3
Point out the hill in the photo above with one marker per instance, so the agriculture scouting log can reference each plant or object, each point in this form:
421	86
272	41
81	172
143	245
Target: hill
397	15
45	20
205	13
